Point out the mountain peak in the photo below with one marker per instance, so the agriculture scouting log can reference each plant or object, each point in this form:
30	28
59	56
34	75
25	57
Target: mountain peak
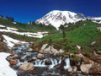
57	18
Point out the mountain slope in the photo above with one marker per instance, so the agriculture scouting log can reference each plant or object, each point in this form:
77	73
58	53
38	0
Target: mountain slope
57	18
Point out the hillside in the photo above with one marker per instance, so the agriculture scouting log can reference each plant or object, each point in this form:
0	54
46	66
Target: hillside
82	33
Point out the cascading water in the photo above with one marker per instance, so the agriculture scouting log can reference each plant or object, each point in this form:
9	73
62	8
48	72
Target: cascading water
39	63
53	64
67	61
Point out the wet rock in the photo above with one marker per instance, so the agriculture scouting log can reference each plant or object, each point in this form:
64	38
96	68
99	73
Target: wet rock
72	62
38	71
23	58
25	73
34	58
13	62
12	59
60	67
30	50
21	48
26	67
40	56
48	62
72	69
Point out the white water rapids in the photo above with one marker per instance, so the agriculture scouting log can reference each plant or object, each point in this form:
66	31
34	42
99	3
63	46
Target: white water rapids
54	62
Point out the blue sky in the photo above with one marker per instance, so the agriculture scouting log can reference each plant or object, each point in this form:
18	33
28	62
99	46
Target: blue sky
30	10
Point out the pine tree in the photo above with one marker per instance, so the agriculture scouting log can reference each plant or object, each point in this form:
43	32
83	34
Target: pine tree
62	28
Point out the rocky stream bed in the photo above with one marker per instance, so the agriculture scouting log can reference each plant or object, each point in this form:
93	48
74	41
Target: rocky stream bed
28	62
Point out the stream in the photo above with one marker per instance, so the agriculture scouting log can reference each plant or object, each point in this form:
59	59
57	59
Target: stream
49	65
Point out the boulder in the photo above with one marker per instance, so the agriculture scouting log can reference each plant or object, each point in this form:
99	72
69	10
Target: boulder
48	62
40	56
34	58
72	69
30	50
12	59
26	67
13	62
96	68
50	50
85	68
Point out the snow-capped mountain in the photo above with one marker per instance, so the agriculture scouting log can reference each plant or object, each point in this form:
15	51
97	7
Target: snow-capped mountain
57	18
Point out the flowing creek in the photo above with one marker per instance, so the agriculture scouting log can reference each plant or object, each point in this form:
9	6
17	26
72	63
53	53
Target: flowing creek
49	65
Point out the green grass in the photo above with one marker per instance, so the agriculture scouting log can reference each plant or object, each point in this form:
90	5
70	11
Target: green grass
84	34
81	35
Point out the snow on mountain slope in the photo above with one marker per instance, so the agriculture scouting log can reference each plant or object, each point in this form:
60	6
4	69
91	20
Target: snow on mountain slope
57	18
5	69
96	19
10	41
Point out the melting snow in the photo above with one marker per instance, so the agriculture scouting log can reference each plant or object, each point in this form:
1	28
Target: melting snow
28	34
2	26
10	41
5	69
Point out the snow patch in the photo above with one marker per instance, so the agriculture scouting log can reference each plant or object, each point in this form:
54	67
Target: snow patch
2	25
5	69
13	29
10	41
28	34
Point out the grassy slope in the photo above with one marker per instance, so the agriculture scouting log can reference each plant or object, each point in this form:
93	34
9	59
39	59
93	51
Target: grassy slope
82	35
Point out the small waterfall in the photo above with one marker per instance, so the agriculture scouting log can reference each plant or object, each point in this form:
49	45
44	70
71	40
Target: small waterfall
39	63
50	64
54	62
60	61
67	61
